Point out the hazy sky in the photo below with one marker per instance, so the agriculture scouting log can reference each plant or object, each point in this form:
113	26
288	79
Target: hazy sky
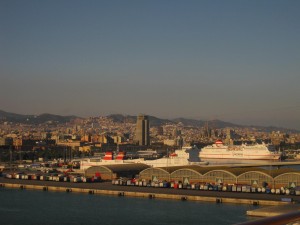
237	61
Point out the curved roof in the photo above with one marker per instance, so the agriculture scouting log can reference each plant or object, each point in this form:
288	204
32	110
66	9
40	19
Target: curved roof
234	171
172	169
115	168
240	171
278	172
156	168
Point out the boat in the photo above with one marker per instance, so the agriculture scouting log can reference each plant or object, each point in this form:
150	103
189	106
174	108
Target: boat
181	157
108	159
148	154
257	151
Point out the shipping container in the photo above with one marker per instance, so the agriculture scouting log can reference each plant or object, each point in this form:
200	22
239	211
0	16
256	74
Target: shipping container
253	189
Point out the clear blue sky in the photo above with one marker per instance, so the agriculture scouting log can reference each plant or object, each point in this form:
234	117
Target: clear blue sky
237	61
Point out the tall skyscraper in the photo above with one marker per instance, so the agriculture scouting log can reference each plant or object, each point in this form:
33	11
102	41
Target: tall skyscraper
142	130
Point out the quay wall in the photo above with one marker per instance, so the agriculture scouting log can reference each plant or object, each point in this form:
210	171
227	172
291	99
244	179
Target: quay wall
144	194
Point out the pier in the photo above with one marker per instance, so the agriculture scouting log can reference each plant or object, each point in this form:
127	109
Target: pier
107	188
276	215
274	210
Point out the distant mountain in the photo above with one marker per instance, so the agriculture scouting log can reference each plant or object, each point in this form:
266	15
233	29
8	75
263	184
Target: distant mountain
11	117
222	124
272	128
201	123
33	119
189	122
154	121
119	118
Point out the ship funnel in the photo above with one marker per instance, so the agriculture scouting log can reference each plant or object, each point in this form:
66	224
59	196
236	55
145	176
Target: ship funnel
218	142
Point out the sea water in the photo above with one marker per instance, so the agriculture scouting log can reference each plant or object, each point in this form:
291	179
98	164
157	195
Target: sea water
28	207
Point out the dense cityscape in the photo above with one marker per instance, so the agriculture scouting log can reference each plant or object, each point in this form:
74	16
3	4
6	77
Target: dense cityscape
95	135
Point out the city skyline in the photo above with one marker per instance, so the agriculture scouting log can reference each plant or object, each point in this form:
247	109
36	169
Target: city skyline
236	61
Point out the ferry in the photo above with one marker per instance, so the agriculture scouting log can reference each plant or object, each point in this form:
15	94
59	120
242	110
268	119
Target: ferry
257	151
181	157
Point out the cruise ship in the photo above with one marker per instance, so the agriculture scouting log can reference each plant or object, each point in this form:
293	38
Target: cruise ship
181	157
258	152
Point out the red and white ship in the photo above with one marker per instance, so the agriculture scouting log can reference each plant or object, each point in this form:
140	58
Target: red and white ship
257	151
184	156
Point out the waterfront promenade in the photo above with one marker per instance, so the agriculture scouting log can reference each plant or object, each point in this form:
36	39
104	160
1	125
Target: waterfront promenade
150	192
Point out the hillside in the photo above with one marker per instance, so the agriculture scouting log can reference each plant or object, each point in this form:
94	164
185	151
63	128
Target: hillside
119	118
154	121
33	119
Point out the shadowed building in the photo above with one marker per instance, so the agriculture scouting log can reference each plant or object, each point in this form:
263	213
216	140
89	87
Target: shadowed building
142	130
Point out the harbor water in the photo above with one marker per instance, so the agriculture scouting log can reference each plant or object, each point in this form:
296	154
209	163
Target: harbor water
28	207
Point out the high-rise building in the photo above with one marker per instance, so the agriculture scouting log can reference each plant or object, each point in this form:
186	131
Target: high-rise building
142	130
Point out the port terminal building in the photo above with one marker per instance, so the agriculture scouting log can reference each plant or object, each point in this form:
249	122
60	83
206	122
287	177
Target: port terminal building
252	176
275	178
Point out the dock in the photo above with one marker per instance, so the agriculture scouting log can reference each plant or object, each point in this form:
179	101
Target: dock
274	210
147	192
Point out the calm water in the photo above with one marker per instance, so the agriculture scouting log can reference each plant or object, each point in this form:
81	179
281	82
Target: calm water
37	207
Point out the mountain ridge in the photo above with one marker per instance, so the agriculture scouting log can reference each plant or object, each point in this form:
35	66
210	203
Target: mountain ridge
154	121
34	119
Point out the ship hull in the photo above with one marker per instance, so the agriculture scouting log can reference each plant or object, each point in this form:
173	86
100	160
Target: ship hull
254	152
229	156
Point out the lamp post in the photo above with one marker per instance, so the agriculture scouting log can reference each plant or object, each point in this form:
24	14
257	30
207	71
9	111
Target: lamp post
10	158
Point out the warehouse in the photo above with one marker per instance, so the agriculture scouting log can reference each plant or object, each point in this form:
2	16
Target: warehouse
155	174
192	174
160	173
256	177
288	178
110	172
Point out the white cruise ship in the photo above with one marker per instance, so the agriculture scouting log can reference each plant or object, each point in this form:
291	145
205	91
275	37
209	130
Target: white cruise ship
257	151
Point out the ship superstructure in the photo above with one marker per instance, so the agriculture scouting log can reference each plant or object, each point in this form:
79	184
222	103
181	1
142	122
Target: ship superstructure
184	156
257	151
